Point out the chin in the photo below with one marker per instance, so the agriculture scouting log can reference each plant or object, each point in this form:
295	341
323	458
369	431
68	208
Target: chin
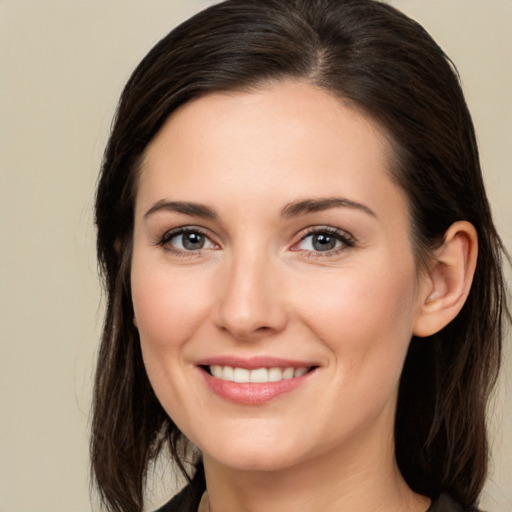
250	454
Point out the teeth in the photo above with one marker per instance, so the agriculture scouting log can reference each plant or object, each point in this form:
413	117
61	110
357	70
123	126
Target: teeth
227	373
259	375
300	371
216	371
241	375
288	373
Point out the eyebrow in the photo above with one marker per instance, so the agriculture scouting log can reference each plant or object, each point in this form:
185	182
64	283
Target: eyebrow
316	205
290	210
187	208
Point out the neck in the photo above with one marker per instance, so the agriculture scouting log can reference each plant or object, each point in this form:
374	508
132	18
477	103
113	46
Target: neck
347	480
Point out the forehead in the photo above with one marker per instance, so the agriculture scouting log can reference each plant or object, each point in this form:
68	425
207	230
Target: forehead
303	106
282	140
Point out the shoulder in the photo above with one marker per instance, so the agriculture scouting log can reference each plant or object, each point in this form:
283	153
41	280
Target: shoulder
184	501
188	499
446	503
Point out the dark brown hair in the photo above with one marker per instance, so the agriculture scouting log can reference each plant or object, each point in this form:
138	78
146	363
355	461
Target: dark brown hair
374	57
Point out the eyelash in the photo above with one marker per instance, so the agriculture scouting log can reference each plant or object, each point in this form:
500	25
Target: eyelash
343	237
169	235
347	241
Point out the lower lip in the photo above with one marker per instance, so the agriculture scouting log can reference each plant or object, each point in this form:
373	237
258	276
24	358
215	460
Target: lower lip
252	393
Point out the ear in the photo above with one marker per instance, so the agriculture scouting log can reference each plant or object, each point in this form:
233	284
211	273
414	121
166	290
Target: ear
446	285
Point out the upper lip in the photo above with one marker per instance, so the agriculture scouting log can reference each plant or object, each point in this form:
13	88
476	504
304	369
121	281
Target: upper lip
252	363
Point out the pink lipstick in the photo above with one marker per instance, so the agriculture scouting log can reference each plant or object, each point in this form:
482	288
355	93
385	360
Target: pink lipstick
256	380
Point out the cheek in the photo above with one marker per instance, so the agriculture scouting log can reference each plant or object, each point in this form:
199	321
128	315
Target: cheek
170	309
167	307
365	318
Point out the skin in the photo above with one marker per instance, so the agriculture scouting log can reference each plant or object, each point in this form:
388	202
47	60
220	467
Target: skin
258	287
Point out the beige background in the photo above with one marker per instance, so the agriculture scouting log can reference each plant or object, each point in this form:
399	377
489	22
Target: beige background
62	67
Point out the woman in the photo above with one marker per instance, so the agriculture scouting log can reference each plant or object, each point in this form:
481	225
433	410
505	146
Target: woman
303	275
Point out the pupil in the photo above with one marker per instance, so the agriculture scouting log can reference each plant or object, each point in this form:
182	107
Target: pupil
193	241
323	242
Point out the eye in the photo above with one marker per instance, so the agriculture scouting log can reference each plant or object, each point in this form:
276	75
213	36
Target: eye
326	240
186	240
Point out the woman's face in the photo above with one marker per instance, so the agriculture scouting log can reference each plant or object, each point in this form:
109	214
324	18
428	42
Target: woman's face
271	245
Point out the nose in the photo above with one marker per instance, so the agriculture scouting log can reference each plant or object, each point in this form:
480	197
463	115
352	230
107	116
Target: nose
250	302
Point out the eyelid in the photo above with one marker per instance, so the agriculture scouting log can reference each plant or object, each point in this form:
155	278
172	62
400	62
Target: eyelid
164	239
346	239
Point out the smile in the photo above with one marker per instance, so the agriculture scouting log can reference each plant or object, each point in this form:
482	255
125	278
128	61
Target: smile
257	375
254	381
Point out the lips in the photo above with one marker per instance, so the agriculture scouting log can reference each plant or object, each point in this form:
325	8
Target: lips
254	381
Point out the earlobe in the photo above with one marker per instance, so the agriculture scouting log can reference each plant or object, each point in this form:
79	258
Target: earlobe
447	283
